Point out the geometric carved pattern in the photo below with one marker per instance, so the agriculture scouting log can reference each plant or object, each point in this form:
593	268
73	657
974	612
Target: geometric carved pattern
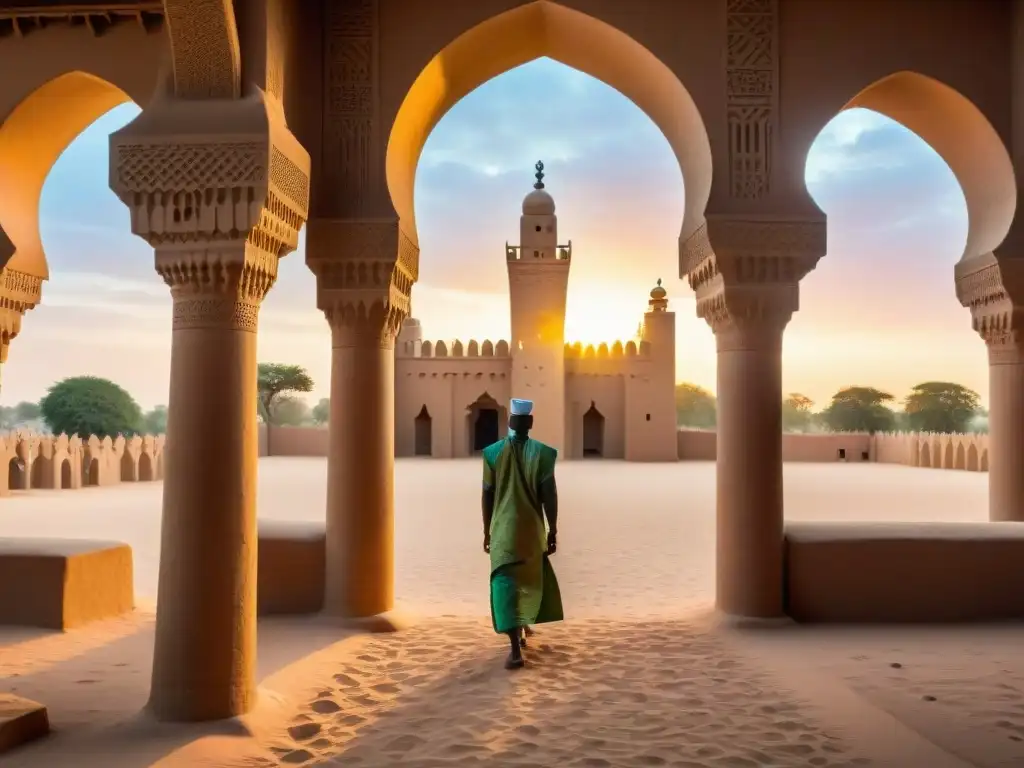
350	119
289	179
173	167
204	48
751	94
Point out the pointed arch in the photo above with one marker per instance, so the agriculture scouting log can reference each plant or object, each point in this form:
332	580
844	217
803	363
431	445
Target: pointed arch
958	131
531	31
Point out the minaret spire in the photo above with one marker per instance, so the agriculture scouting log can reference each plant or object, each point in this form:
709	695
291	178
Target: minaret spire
540	175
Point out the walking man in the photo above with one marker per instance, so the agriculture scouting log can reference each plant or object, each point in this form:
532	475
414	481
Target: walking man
518	494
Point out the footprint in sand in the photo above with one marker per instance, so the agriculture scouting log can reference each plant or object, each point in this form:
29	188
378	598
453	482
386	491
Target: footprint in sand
325	706
304	731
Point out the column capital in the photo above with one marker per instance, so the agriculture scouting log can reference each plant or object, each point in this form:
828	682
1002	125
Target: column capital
746	274
993	289
19	292
220	189
365	270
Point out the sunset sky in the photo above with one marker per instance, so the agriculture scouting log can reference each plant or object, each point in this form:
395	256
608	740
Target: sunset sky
879	310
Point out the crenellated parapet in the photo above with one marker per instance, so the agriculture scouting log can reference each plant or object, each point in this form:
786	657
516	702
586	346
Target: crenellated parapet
63	462
603	351
453	349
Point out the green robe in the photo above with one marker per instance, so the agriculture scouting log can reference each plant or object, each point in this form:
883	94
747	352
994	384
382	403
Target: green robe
524	590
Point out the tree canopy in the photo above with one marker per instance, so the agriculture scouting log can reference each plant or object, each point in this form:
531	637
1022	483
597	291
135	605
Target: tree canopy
941	406
89	405
290	411
695	407
322	412
859	409
797	415
155	421
276	379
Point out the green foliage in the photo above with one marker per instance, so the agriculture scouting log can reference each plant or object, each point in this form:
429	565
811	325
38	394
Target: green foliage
859	409
22	413
941	406
322	412
695	407
155	421
88	405
797	415
276	379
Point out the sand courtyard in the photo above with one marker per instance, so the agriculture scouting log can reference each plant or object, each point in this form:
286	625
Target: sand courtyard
640	674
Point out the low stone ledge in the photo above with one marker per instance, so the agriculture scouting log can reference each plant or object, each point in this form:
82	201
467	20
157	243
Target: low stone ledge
291	568
64	583
21	721
904	572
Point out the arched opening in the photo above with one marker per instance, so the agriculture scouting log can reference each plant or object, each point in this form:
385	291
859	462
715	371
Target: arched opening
91	471
972	458
984	460
127	467
593	432
42	472
146	473
947	455
926	456
424	433
16	474
534	31
961	457
917	186
483	421
65	474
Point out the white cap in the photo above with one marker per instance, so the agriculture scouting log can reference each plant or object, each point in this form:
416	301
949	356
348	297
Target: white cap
521	407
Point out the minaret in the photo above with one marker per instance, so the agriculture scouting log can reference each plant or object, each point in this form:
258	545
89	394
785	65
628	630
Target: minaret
538	278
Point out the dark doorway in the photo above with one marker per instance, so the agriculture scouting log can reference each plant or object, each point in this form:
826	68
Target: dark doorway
65	474
842	454
593	432
16	474
424	433
485	428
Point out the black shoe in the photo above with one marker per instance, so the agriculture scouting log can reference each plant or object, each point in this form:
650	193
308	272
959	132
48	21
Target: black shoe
514	662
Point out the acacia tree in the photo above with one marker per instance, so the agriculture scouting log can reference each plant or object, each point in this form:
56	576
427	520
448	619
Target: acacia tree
796	412
941	406
88	405
322	412
695	407
859	409
274	380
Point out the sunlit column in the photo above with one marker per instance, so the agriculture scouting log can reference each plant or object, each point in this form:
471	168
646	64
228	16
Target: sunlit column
1006	427
217	249
365	271
746	275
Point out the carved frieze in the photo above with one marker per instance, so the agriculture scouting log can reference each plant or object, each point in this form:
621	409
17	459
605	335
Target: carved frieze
205	53
752	74
350	176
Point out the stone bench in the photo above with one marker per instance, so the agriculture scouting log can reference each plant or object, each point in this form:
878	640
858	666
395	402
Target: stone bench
63	583
21	721
904	572
291	568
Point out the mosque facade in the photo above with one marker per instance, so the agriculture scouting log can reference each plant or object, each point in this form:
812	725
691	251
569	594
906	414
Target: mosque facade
614	400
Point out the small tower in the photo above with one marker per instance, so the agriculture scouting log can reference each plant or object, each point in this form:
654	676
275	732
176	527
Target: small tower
538	280
650	410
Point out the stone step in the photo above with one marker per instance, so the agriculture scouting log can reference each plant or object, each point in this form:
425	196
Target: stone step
21	721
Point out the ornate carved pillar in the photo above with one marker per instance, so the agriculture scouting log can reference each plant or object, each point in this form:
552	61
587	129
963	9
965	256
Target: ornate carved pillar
19	292
365	271
219	188
746	275
993	288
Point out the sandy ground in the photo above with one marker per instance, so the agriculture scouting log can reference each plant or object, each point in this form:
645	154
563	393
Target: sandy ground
639	674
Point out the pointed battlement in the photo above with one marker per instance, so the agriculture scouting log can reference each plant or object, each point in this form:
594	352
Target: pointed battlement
452	349
617	350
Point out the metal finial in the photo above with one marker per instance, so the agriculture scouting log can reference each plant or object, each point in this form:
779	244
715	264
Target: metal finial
659	282
540	175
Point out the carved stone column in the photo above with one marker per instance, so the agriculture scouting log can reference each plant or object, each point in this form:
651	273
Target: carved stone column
365	271
19	292
219	189
746	275
993	289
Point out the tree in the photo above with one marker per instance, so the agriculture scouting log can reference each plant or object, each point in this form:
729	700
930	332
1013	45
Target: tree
695	407
155	421
274	380
88	405
859	409
26	411
290	411
796	413
322	412
941	406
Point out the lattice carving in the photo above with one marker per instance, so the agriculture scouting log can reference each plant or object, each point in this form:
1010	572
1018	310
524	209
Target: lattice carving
751	94
172	167
204	48
290	180
350	107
